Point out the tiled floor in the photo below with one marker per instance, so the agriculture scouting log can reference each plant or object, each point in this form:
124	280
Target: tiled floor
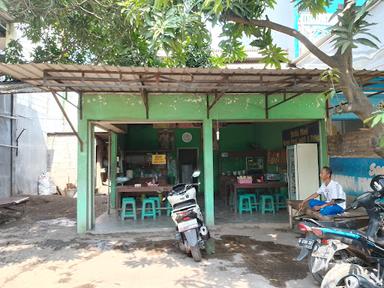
113	224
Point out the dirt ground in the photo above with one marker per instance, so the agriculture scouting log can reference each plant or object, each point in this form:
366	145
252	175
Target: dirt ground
50	207
42	249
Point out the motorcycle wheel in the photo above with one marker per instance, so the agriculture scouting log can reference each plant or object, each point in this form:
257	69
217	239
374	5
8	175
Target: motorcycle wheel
337	275
182	247
196	253
319	276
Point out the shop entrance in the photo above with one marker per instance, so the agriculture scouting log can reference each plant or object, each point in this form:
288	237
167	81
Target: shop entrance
150	159
187	163
251	161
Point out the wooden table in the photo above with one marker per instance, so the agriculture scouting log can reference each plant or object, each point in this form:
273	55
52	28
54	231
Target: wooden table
138	191
272	185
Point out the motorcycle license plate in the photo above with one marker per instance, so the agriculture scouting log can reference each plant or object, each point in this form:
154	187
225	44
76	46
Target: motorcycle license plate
187	225
306	243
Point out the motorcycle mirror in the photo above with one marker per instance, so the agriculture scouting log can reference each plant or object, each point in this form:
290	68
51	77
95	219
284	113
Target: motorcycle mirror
196	174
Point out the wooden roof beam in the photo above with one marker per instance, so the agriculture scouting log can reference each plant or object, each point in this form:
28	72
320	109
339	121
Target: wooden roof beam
111	127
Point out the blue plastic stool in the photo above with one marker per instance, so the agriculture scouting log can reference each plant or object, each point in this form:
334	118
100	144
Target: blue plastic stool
280	201
267	204
128	212
245	203
148	211
157	202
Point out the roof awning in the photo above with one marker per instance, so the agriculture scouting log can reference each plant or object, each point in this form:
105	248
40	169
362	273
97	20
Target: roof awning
112	79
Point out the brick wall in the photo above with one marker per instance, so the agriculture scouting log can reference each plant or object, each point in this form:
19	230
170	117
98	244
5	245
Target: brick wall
351	144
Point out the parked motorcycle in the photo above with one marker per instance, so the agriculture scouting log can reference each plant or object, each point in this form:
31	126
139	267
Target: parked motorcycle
311	244
364	251
192	234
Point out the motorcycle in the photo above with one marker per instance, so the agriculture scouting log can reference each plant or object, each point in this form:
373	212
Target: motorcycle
312	244
192	235
363	266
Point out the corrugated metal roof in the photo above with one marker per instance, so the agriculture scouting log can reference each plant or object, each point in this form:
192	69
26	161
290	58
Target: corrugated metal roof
112	79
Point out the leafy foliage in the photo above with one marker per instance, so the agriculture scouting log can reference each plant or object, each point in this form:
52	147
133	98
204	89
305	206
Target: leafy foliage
14	53
115	32
352	29
133	32
274	56
316	7
332	76
377	116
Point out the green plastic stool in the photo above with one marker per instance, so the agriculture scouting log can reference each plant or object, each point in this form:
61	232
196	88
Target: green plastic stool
169	208
128	212
267	204
254	203
280	201
148	211
245	203
158	204
239	192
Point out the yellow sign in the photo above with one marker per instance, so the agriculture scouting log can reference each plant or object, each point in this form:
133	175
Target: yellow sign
159	159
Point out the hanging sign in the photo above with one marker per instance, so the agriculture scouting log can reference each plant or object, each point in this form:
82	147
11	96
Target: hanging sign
159	159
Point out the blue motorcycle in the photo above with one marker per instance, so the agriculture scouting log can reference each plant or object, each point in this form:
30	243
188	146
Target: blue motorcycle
364	267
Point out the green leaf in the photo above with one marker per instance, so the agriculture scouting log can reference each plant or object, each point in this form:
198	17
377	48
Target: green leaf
366	121
376	120
366	42
345	46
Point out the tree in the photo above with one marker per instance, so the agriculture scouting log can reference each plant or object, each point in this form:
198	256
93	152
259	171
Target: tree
131	32
351	29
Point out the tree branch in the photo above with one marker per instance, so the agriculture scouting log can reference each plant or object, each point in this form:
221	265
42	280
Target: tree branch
329	60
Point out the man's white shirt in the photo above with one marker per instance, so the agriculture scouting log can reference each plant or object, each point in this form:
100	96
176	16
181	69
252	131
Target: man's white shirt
332	191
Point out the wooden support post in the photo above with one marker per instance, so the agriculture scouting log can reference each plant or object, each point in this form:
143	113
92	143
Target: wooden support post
324	160
68	120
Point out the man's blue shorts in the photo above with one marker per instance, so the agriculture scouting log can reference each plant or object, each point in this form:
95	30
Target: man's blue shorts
326	211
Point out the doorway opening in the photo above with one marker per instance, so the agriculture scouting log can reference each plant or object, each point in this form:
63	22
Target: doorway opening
188	161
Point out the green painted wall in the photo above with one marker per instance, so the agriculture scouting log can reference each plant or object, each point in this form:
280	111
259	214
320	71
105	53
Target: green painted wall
193	107
179	108
239	137
140	137
196	138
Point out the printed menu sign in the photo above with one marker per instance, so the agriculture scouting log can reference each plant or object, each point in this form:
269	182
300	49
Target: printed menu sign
159	159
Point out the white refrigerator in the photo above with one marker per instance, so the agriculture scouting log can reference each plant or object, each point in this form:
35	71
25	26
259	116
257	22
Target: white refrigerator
302	170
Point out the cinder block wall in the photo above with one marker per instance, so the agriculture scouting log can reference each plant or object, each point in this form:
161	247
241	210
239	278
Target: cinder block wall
356	144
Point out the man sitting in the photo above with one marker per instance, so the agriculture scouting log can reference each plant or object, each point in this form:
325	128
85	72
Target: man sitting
330	190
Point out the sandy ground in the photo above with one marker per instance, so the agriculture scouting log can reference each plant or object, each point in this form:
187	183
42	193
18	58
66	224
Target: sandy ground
42	250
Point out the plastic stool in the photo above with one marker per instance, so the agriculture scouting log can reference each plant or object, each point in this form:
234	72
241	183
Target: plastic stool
254	203
169	208
157	202
245	203
281	201
267	204
148	211
128	212
239	192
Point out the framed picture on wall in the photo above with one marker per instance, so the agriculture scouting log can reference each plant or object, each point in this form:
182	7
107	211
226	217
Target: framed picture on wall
254	163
